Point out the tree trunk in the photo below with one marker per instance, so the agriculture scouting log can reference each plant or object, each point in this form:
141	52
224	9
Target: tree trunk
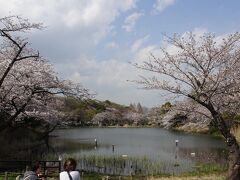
232	144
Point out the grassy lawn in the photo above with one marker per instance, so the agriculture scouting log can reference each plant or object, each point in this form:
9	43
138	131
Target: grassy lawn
187	176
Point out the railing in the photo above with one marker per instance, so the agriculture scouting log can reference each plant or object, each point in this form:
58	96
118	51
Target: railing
13	168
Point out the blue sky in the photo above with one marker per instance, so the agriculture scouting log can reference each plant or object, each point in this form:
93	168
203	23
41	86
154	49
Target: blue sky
92	41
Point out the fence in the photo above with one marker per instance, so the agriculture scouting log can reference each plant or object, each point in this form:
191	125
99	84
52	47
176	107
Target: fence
13	168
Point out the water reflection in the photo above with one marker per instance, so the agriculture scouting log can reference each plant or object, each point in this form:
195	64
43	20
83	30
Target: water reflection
157	146
21	144
121	151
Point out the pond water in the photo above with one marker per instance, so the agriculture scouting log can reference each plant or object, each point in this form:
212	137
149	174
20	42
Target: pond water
137	150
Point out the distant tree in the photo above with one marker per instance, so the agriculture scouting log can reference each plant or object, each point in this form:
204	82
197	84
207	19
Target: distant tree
28	83
139	108
132	106
165	108
206	70
108	102
133	117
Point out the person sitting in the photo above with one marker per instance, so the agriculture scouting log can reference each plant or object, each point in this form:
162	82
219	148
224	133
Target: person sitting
70	172
33	172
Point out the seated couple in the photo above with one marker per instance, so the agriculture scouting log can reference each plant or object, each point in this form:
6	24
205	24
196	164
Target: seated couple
69	173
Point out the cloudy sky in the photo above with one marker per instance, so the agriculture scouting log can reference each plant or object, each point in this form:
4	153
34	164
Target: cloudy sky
93	41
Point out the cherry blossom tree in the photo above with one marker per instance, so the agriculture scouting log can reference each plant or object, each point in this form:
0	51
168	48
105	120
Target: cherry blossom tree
205	69
139	108
28	84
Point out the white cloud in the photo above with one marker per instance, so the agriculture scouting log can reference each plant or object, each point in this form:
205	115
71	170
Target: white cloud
138	43
102	73
130	21
161	5
112	45
108	79
198	32
92	16
143	53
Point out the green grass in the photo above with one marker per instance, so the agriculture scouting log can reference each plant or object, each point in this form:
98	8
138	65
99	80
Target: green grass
199	170
134	165
11	176
206	169
96	176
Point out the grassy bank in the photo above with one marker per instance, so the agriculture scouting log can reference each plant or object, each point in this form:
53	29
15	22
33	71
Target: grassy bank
103	177
201	171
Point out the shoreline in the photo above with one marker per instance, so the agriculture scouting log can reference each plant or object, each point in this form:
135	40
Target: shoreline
215	135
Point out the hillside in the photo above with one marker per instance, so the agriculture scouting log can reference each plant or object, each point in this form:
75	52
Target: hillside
101	113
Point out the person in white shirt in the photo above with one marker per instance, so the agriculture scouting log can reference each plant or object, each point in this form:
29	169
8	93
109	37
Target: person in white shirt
70	172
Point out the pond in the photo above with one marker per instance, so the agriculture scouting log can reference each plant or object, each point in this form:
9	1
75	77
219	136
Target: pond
127	151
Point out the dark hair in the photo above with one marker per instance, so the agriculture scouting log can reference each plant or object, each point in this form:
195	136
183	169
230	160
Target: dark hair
34	166
70	165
